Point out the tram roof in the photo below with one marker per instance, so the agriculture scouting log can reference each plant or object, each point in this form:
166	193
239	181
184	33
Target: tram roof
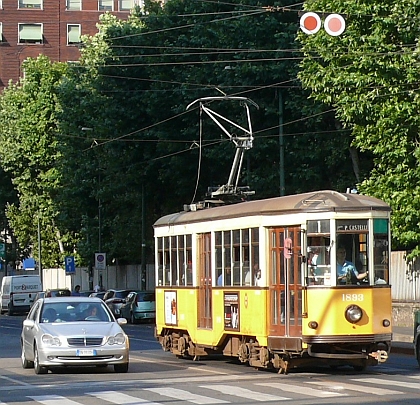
317	201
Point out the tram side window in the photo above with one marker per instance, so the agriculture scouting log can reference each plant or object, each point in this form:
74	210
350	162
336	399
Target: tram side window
163	260
381	251
174	260
256	275
188	255
160	261
352	241
235	251
174	276
318	253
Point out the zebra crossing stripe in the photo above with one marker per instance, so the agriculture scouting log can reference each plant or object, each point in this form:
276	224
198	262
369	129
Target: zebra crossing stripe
306	391
186	396
120	398
244	393
404	384
355	387
53	400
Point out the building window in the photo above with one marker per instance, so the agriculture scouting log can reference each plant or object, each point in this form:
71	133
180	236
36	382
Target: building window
30	33
105	5
75	5
73	34
1	32
127	5
30	4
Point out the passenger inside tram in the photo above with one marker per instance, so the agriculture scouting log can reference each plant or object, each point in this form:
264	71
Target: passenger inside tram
346	270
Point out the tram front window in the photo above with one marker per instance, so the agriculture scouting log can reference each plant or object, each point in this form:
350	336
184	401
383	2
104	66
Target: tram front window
318	260
352	252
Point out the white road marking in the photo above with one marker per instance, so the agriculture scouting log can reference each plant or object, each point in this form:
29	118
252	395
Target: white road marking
53	400
13	380
298	389
120	398
390	383
355	387
186	396
244	393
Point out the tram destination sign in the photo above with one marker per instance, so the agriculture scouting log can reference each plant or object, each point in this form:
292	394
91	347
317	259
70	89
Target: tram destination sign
352	226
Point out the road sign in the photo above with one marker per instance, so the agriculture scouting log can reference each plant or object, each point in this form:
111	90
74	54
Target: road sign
29	264
334	24
100	261
310	23
70	265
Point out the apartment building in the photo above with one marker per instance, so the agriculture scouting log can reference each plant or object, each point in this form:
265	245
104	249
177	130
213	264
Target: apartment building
53	28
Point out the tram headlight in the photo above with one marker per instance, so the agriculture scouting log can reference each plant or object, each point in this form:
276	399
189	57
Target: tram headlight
386	322
313	324
353	313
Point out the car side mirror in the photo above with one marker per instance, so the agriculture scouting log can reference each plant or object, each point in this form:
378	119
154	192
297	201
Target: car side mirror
29	323
121	321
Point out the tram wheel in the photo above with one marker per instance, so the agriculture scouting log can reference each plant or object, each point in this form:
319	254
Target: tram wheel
360	367
418	352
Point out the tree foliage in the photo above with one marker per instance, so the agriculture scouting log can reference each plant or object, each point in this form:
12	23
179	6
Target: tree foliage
116	132
28	146
370	75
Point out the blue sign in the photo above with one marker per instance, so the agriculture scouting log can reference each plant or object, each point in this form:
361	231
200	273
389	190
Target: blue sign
69	264
29	264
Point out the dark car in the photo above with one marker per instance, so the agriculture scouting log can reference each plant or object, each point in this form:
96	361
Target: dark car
99	294
114	299
57	292
86	293
38	295
139	305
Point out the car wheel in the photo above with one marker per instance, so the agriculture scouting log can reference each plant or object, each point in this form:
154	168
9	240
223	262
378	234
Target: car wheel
38	368
25	363
121	368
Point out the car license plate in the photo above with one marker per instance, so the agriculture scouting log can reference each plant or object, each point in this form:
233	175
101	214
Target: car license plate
85	352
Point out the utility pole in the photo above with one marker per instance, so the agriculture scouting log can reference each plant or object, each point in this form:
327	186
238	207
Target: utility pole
39	251
143	240
281	145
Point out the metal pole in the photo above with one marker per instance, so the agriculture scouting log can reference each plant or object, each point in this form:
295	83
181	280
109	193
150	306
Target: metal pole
143	241
39	251
281	145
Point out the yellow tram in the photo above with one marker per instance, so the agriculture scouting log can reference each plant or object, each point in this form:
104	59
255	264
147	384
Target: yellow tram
265	281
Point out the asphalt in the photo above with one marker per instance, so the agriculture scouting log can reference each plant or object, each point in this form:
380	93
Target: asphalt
402	340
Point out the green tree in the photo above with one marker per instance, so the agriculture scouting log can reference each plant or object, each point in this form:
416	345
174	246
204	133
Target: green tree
370	75
28	146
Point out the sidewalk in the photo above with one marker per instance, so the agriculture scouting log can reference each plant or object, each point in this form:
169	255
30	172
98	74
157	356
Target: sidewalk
402	340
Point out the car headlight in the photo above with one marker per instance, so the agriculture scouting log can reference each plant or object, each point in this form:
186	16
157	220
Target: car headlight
118	339
49	340
353	313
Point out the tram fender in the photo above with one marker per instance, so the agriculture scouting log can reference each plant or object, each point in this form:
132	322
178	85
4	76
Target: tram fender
292	344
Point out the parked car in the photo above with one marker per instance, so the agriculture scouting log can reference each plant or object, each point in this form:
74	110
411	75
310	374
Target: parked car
38	295
114	299
73	331
86	293
99	294
57	292
139	305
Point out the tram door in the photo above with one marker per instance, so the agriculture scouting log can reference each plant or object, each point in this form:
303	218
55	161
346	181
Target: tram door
204	302
285	281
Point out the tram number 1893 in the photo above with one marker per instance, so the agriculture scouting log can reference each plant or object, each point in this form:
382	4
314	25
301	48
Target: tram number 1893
353	297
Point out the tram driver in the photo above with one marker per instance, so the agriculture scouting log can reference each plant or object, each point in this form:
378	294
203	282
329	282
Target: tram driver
346	270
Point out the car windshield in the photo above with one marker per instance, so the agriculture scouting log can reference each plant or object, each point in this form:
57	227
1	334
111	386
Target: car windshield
121	294
74	312
146	297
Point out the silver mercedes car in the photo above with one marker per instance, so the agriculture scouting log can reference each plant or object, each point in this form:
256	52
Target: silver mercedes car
73	331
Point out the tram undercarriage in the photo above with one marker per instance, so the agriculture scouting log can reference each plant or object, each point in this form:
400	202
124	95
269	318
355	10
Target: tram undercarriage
247	350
